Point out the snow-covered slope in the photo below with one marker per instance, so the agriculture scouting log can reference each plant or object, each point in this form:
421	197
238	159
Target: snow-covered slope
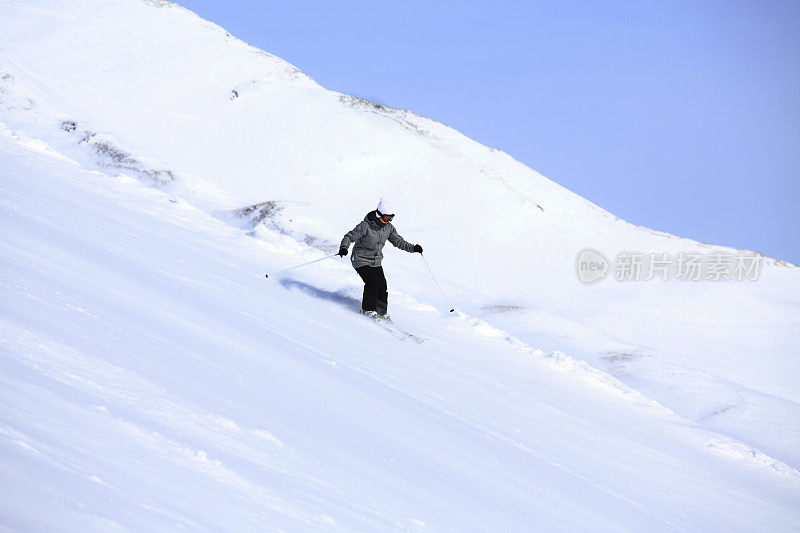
158	311
152	380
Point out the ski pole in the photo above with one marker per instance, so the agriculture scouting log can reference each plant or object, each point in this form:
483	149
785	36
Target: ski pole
437	283
304	264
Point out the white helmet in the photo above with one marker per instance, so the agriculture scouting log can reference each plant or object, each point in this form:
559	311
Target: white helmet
384	208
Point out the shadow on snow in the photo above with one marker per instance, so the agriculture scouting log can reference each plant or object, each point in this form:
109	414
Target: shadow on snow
339	297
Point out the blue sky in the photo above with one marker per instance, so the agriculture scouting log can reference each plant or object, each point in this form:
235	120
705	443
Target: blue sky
679	116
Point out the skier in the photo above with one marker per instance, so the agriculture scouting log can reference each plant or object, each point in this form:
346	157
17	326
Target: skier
369	236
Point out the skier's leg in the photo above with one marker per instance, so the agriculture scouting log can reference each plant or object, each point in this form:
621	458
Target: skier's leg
382	294
370	296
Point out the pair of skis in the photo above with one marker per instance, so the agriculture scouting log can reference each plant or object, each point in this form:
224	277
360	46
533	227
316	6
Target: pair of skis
396	332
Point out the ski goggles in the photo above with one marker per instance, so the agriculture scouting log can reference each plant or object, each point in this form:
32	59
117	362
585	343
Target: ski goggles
386	218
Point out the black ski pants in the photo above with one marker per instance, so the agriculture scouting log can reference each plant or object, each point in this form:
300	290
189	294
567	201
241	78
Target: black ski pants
376	297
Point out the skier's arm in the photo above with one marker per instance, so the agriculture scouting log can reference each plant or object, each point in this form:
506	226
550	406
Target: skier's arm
353	235
400	242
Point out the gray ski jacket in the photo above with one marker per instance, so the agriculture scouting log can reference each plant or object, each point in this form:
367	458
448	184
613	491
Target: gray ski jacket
370	236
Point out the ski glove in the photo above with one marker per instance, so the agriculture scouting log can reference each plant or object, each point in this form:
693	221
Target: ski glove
418	248
342	252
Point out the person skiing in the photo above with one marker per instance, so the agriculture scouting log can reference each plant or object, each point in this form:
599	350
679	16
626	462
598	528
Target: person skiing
369	236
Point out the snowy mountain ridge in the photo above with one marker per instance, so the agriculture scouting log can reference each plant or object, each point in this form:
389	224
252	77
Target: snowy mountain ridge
224	131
